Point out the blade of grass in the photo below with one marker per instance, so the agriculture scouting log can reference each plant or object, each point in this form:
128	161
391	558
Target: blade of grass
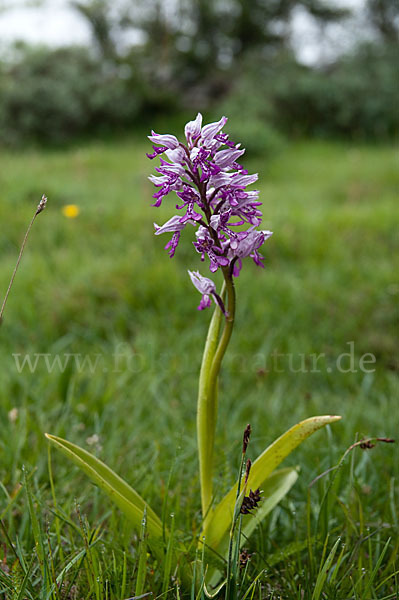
322	576
169	556
376	568
142	552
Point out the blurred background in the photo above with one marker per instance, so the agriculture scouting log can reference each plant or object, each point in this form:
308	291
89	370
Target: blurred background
278	67
311	91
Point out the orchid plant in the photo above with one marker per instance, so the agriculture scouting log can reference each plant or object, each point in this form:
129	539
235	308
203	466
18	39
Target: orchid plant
212	193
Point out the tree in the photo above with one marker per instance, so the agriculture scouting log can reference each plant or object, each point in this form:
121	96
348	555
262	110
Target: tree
196	45
384	16
98	14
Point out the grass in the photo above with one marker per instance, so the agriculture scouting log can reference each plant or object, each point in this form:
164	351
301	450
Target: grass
101	288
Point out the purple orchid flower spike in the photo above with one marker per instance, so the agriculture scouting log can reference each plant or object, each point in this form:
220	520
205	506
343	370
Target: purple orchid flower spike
210	189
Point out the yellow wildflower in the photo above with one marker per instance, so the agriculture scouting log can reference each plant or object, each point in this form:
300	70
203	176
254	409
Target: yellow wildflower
71	211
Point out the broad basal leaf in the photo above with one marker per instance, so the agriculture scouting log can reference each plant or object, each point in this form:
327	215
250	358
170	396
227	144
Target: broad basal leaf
219	521
124	496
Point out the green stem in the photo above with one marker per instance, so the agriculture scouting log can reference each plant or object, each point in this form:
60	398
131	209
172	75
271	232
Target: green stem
40	208
206	400
236	517
16	267
207	395
228	327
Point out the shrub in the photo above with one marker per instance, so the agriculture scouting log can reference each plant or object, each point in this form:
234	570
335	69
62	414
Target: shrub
55	95
357	97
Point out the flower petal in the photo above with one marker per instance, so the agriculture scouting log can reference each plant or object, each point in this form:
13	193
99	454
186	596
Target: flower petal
193	128
169	141
209	131
174	224
203	284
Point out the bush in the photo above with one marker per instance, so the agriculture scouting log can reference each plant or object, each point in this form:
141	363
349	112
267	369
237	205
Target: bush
357	97
55	95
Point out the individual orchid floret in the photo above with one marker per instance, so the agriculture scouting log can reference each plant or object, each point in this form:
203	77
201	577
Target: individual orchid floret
192	130
207	288
247	243
227	158
168	142
206	244
173	225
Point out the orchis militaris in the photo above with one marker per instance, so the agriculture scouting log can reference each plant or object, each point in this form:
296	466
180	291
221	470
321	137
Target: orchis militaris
211	189
212	196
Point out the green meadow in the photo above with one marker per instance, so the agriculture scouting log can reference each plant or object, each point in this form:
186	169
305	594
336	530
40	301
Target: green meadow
101	344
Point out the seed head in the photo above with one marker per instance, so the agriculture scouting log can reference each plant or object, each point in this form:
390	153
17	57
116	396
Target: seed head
369	444
42	205
250	502
245	556
245	439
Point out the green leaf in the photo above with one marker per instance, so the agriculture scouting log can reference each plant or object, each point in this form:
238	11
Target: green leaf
129	502
219	520
124	496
